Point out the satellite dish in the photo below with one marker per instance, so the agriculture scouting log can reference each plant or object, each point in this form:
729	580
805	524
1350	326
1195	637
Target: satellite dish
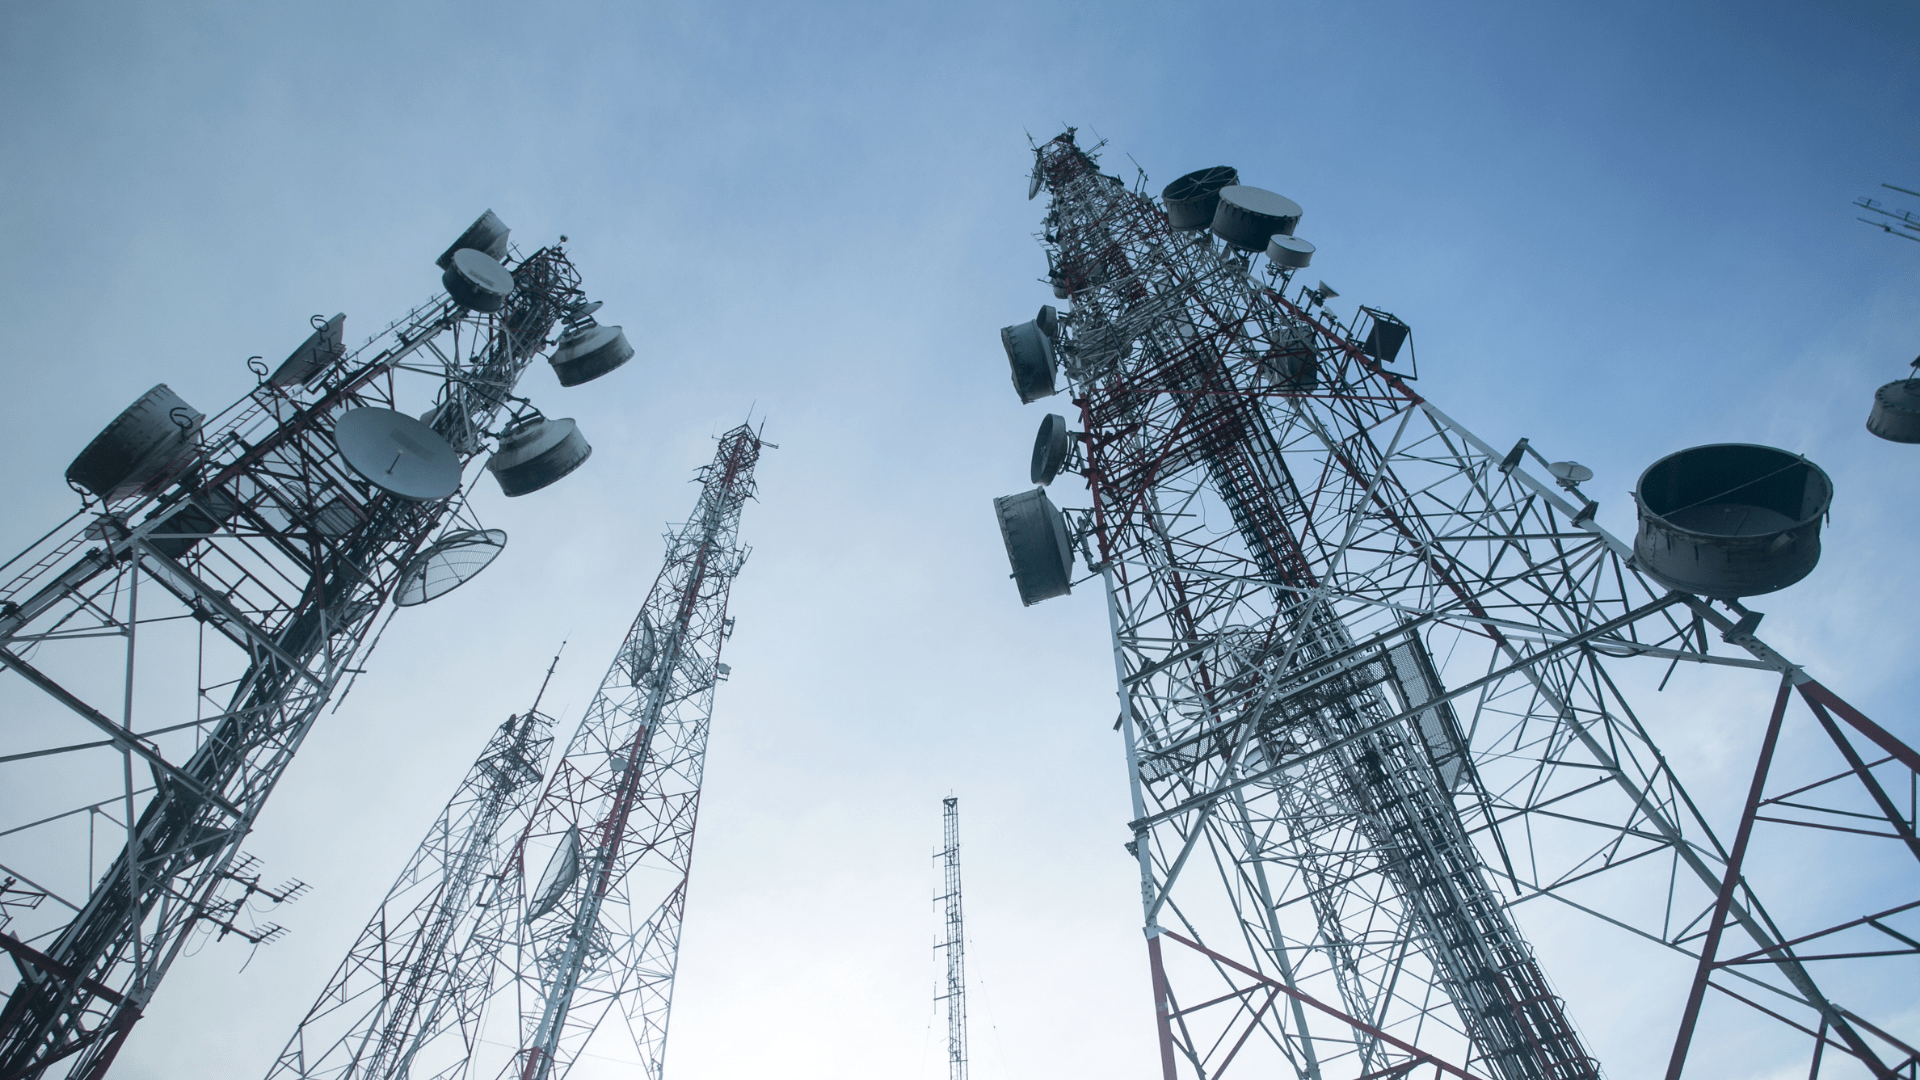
1050	448
563	869
536	453
322	347
1290	252
587	354
1033	182
1248	217
477	281
447	565
397	454
1570	473
583	311
487	233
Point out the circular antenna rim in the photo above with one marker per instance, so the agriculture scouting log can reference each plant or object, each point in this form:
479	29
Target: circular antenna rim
397	454
418	569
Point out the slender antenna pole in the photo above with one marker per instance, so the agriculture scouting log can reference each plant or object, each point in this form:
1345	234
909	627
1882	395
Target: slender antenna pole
956	995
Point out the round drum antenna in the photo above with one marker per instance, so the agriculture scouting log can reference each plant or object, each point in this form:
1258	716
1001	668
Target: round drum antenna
537	452
397	454
1248	217
477	281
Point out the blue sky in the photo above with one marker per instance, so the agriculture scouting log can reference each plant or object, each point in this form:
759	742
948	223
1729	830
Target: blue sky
1618	230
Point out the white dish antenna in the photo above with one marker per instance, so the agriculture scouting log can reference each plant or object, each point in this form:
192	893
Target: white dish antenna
448	564
561	872
398	454
1570	473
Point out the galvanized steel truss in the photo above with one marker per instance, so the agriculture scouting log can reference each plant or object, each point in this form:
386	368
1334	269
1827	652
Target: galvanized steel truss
174	648
598	929
1377	685
412	986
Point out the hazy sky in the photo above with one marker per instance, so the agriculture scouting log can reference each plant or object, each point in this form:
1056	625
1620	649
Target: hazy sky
1616	229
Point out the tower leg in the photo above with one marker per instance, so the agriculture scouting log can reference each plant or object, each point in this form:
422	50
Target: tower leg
1162	1008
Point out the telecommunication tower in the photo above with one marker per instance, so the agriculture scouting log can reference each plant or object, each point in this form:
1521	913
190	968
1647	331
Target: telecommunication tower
955	944
600	872
177	637
412	978
1385	688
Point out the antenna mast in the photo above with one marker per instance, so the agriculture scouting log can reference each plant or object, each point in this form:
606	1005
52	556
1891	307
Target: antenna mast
955	945
240	565
411	976
588	934
1382	686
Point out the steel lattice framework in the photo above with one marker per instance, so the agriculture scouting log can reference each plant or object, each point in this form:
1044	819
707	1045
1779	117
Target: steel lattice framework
598	929
411	986
173	649
1378	689
956	943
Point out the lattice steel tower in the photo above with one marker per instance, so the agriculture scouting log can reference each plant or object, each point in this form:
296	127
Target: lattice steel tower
1381	684
412	986
176	639
955	944
598	929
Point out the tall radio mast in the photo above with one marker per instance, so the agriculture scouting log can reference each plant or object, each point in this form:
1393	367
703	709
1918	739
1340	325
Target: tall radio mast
178	636
1381	684
603	865
955	944
412	975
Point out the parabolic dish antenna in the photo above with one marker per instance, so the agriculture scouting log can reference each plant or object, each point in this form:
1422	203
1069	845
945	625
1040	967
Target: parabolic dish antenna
448	564
563	869
1571	472
1033	182
398	454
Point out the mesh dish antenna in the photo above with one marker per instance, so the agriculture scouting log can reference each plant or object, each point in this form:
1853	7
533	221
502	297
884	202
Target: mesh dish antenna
397	454
450	563
563	869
